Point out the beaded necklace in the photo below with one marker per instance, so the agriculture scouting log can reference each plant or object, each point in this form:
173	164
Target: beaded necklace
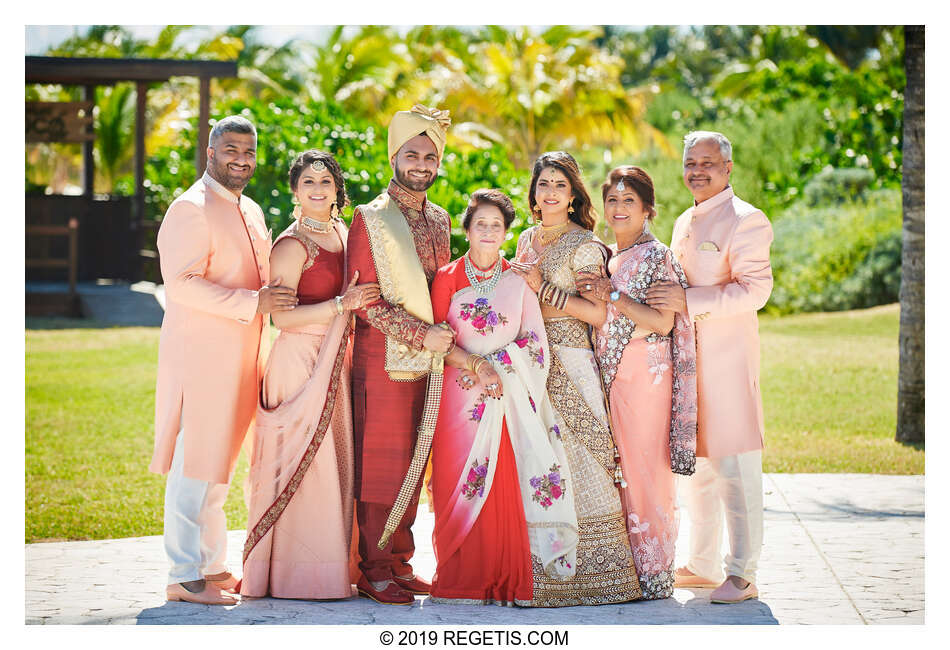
482	287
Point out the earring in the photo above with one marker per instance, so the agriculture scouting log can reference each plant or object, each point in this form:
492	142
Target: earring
535	209
296	212
294	199
570	210
333	210
646	227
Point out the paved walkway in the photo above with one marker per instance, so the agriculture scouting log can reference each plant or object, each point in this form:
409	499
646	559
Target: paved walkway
839	549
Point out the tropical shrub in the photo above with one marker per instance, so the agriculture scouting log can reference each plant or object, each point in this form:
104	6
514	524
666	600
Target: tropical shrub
838	185
836	257
287	127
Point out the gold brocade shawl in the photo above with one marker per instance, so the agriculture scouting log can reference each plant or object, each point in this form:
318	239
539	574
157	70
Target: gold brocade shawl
402	281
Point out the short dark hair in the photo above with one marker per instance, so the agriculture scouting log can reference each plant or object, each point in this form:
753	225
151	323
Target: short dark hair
231	124
637	180
493	197
315	155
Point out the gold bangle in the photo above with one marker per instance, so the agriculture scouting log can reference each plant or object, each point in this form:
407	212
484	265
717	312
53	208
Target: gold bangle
479	362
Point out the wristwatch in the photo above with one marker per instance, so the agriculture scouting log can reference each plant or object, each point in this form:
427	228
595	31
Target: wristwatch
614	296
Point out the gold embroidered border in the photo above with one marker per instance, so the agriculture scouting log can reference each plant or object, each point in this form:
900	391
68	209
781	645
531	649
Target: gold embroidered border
477	601
274	511
406	364
555	255
570	404
570	332
605	569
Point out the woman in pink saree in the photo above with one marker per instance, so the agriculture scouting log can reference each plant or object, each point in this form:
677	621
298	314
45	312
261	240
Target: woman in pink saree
648	365
300	485
501	488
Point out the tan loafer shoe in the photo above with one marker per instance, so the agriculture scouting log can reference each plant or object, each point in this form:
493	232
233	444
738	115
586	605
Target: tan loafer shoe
210	595
686	579
727	593
225	582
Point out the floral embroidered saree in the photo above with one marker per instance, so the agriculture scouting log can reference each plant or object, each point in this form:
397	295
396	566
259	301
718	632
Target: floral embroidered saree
502	491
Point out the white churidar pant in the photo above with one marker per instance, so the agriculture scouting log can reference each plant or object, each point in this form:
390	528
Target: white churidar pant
730	485
196	534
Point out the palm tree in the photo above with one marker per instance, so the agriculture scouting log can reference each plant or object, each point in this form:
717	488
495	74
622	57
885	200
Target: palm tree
115	105
534	92
910	381
359	72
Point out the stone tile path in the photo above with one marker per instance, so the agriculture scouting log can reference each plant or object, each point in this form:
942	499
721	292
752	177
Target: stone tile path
839	549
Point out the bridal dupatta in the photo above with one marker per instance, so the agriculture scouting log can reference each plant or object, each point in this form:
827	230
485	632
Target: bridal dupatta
285	443
504	327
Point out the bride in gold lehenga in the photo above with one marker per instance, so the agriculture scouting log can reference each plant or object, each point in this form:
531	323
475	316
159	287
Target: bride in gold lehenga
549	258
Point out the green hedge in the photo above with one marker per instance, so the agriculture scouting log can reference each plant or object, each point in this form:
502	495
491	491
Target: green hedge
286	127
837	257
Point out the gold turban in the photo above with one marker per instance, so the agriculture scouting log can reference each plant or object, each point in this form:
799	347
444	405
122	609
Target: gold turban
406	125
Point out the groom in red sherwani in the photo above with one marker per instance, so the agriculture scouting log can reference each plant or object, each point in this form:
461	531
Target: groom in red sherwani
386	413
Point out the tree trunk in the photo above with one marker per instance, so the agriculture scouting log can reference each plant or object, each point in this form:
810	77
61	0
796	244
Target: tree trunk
910	381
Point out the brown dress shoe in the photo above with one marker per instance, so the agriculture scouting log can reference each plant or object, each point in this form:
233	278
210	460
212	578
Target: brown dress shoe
225	582
393	594
414	584
211	595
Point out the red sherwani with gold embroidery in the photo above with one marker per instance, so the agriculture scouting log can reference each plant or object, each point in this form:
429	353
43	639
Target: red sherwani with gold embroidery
386	413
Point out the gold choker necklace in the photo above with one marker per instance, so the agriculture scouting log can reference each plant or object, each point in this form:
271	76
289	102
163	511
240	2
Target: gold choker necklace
313	225
550	234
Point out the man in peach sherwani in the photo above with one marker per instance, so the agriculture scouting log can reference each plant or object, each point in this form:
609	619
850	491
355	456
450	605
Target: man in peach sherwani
214	248
722	243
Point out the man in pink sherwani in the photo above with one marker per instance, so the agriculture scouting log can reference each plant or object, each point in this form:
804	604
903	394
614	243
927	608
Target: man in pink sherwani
722	243
214	248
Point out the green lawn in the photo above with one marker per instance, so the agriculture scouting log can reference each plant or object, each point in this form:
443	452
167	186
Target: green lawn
829	381
829	385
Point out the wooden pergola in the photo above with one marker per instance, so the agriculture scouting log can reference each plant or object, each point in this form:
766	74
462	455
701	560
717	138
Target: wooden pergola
88	73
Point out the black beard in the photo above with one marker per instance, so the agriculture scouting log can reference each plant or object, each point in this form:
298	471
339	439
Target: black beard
415	186
226	177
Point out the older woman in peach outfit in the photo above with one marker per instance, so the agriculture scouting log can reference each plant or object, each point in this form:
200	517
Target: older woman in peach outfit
648	364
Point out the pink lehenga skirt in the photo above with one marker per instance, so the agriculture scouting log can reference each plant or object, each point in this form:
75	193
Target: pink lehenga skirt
300	485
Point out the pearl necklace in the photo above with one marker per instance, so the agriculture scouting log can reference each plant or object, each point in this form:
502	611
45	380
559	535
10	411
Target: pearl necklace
482	287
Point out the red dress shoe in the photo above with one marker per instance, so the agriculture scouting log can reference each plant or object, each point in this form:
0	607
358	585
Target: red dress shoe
414	584
225	582
211	595
393	594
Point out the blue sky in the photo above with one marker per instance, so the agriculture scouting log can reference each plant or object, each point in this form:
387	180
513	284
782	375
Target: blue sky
40	37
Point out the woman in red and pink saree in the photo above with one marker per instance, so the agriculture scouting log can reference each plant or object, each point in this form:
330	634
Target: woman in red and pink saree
502	492
300	484
648	365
